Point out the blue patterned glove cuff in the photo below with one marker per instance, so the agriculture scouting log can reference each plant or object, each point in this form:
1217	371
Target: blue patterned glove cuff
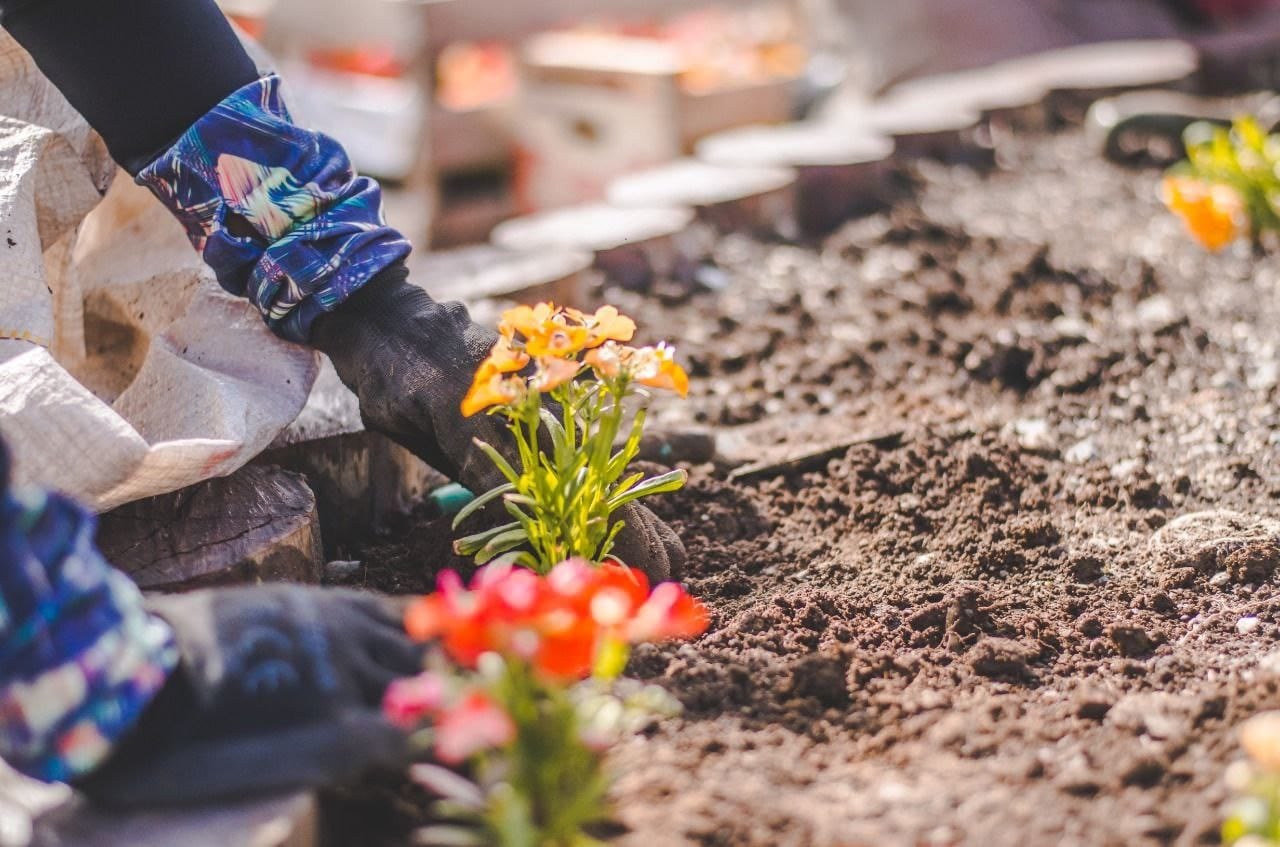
310	231
80	658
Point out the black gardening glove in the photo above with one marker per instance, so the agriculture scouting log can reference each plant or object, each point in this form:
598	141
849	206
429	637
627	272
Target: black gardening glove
410	360
278	687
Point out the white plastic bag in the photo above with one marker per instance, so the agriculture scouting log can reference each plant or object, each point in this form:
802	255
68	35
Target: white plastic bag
125	371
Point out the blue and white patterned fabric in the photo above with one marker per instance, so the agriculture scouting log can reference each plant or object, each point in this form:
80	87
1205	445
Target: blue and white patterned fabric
80	658
311	232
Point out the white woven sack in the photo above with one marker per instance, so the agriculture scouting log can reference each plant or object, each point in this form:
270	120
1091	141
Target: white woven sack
125	371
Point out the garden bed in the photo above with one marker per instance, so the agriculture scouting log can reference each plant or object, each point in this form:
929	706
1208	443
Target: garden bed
1000	626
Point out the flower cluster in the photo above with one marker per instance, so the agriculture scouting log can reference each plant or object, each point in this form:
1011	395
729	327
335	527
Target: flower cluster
571	475
465	719
523	694
1229	185
555	340
1253	819
567	624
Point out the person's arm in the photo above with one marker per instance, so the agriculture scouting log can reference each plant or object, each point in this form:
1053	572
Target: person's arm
280	215
80	659
212	695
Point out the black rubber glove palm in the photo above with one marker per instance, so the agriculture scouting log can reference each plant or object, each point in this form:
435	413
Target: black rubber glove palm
410	360
278	688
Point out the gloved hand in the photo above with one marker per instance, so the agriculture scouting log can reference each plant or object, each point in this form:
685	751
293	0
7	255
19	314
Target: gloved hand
278	687
410	360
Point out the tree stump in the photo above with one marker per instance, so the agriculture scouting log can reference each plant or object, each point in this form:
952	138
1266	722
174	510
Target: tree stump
840	174
631	246
361	479
258	525
1075	77
488	272
1005	96
729	199
918	130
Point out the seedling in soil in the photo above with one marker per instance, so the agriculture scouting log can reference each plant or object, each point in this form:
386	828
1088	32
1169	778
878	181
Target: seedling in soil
522	697
1229	184
1253	819
568	480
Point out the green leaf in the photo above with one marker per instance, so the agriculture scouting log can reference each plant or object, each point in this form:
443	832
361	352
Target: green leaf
664	484
558	435
501	544
480	502
502	464
472	543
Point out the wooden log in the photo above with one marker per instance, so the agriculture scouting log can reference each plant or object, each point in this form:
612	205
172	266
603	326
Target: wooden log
631	246
919	130
1075	77
1002	95
361	479
839	174
486	271
729	199
258	525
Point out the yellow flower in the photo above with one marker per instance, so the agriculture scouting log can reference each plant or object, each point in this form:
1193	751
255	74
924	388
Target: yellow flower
553	372
557	339
652	366
525	320
491	389
1260	737
606	359
504	359
656	367
608	324
1211	212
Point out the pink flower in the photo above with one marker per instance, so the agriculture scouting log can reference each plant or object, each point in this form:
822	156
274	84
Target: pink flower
475	724
408	702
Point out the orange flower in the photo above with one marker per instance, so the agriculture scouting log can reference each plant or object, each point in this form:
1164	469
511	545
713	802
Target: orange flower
557	339
525	320
1211	212
553	372
504	358
492	388
656	367
606	359
608	324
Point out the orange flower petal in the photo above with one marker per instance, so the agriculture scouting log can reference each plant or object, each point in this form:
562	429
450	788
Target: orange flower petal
557	339
491	389
1211	213
608	324
553	372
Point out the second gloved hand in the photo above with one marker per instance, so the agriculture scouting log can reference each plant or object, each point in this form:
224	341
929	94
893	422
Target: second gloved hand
410	360
278	688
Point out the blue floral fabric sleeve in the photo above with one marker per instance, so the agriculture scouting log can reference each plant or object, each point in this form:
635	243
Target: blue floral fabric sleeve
276	210
80	658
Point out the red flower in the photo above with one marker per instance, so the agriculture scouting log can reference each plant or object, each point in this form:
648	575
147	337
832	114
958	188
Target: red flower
474	725
408	702
559	623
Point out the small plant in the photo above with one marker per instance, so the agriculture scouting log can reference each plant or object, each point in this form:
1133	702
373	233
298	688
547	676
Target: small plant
1229	184
571	474
1253	818
523	694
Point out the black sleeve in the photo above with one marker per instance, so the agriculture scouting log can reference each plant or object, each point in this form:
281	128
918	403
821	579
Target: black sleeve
140	71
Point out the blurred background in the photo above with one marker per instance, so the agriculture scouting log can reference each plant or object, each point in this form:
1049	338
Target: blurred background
476	111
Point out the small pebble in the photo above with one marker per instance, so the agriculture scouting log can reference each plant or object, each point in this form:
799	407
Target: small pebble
1081	452
340	570
1219	579
1244	626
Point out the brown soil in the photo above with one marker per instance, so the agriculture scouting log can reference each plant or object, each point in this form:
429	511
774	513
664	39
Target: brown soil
1029	620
